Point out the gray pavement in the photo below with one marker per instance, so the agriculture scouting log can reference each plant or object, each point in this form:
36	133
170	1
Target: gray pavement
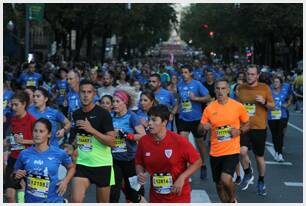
283	181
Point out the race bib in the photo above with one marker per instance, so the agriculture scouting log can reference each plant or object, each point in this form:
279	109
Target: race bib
250	108
4	103
162	183
31	83
223	133
276	114
120	145
62	92
38	186
84	143
187	106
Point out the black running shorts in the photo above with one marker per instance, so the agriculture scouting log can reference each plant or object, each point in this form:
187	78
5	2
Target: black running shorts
223	164
257	139
100	176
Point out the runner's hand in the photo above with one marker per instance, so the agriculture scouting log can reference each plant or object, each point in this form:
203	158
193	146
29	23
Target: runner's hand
235	132
192	96
62	187
85	125
18	138
19	174
207	126
60	133
178	186
142	178
260	99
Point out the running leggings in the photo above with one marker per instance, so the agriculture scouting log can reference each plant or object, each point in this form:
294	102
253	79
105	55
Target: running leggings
277	130
124	170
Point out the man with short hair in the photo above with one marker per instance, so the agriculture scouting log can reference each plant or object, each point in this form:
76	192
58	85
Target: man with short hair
94	138
30	77
192	95
107	88
257	99
227	119
163	96
165	156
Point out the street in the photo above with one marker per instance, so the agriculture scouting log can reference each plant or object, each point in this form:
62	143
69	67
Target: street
284	181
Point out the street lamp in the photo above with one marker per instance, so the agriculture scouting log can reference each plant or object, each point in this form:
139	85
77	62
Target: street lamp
10	25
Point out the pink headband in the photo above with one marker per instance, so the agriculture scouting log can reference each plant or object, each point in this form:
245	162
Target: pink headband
122	95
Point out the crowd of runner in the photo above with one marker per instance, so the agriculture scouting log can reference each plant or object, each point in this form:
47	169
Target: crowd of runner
116	125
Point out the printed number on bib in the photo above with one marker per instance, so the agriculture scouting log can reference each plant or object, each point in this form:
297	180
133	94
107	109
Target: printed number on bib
187	106
38	186
250	108
162	183
223	133
85	143
276	114
120	145
31	83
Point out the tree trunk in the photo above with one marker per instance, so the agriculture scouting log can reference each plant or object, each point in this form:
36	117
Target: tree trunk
104	36
272	45
89	46
79	41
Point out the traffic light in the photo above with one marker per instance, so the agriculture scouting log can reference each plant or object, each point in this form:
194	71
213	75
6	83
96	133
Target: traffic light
211	34
205	26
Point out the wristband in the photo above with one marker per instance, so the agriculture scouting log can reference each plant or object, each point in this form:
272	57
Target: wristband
130	136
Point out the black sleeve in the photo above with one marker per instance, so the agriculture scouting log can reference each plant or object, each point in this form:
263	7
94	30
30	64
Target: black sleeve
107	121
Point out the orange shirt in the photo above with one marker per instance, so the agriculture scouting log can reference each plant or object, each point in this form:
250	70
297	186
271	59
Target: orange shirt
257	111
222	118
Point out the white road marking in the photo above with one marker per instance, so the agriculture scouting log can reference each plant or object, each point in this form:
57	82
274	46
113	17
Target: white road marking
294	184
295	127
278	163
199	196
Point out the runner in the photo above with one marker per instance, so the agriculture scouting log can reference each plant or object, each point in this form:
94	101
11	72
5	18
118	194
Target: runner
165	155
41	109
227	119
95	136
106	102
30	77
39	166
257	99
147	100
192	94
163	96
128	130
277	118
21	137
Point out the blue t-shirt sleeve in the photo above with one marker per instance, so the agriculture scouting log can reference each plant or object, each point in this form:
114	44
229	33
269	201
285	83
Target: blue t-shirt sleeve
202	89
60	116
134	120
65	158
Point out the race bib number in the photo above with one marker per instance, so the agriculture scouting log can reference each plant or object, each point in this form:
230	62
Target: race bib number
223	133
187	106
276	114
38	186
250	108
4	103
84	143
162	183
120	145
31	83
62	92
